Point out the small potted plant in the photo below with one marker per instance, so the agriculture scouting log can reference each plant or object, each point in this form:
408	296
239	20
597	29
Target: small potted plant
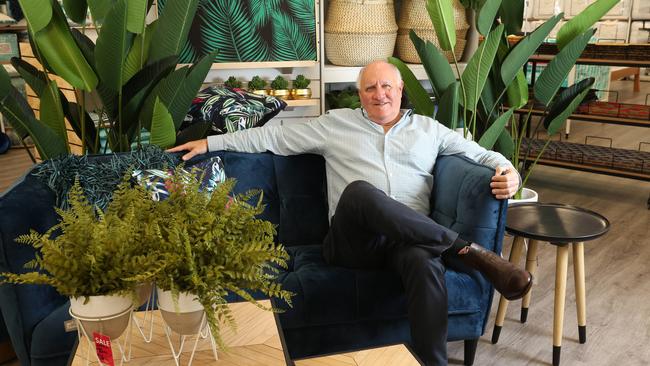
215	245
279	86
233	83
98	257
301	88
257	85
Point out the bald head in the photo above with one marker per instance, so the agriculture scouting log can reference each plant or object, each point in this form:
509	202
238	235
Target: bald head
376	63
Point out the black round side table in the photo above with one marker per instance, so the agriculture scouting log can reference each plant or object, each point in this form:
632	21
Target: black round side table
562	226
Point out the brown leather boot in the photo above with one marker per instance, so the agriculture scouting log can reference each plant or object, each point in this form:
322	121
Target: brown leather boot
512	282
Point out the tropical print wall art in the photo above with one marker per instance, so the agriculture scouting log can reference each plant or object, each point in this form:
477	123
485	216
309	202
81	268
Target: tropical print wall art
251	30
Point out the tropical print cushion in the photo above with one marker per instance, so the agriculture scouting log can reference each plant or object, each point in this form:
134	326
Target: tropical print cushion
230	110
210	170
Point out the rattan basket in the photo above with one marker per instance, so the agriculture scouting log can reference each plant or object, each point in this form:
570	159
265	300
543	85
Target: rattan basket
359	31
414	15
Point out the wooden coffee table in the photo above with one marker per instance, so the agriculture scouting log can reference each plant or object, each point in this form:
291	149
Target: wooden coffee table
256	342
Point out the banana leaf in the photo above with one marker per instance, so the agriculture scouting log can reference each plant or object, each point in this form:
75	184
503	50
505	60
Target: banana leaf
99	9
583	21
478	68
136	14
112	46
556	71
414	90
441	13
56	45
162	130
435	64
88	135
51	112
14	107
565	103
485	16
173	27
37	12
517	91
448	107
76	10
511	13
504	145
36	79
86	46
137	56
491	135
522	51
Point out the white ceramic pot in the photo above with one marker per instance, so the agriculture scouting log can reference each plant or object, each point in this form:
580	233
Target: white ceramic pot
183	317
108	315
527	195
143	292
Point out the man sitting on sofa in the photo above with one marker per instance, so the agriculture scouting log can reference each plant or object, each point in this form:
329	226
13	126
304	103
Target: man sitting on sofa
379	164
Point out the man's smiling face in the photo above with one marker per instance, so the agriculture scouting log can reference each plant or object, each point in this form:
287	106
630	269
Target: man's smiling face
380	91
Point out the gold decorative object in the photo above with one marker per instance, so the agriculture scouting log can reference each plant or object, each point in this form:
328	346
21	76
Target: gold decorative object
260	91
281	93
301	93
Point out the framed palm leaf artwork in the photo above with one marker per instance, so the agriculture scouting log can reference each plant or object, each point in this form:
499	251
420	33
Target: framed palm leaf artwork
252	30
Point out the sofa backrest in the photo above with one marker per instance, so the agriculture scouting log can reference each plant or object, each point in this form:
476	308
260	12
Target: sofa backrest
295	192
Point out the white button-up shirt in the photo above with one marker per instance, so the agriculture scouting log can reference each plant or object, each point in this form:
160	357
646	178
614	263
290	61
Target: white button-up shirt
399	162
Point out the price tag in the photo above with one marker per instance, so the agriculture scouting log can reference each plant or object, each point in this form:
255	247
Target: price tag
103	347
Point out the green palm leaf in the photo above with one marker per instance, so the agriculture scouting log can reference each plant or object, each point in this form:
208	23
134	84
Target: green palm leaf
583	21
227	28
525	48
86	46
414	90
289	43
478	68
565	103
435	64
512	15
261	11
15	108
441	13
112	47
518	91
57	46
556	71
174	24
162	130
136	13
137	56
99	9
51	112
302	12
76	10
449	105
37	12
491	135
35	78
486	14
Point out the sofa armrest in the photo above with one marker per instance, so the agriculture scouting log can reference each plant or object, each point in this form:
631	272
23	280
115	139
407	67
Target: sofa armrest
26	206
462	200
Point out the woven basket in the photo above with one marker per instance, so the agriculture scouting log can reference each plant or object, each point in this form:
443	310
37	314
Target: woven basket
359	31
414	15
407	53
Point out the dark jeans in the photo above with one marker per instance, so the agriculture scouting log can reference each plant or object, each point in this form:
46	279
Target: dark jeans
371	230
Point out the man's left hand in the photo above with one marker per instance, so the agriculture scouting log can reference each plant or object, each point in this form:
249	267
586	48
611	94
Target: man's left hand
505	182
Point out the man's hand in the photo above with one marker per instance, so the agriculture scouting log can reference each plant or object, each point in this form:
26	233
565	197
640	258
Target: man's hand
504	183
194	148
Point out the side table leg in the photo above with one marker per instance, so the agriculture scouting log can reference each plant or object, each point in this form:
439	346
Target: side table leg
515	255
561	264
581	300
531	266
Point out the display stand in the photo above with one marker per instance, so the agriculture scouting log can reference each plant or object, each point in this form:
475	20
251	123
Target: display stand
82	333
202	333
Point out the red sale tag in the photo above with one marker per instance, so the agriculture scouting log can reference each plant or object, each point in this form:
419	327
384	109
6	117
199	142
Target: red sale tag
103	347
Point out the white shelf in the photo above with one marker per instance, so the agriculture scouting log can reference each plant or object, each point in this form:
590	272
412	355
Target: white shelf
302	102
262	65
348	74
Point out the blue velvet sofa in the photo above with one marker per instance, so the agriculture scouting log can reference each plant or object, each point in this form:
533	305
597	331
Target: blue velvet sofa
335	309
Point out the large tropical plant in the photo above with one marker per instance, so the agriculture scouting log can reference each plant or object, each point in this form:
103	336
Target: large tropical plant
493	85
127	79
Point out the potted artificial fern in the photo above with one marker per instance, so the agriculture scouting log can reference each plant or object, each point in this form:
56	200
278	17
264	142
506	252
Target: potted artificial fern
97	257
233	83
279	87
301	88
214	244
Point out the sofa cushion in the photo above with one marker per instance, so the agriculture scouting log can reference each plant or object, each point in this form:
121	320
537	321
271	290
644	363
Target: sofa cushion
49	346
356	295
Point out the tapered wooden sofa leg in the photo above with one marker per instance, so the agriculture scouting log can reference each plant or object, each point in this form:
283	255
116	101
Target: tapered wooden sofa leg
470	351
